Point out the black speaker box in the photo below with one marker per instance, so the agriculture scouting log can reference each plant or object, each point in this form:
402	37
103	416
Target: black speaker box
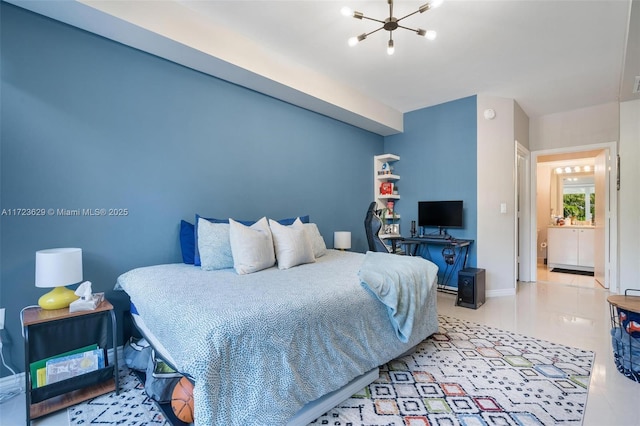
470	288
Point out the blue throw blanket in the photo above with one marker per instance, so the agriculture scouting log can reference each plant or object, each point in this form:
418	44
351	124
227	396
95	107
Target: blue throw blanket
402	283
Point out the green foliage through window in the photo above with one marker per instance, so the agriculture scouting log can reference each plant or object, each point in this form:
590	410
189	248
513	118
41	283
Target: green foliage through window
574	205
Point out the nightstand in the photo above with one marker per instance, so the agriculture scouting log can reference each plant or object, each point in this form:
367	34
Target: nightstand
48	333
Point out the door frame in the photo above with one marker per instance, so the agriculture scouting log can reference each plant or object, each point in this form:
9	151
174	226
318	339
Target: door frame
523	215
611	198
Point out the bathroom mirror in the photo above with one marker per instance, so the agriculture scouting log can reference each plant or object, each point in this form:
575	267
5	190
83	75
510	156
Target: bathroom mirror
575	196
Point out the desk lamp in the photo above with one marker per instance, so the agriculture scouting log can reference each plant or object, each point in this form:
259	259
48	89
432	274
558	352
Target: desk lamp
342	240
58	268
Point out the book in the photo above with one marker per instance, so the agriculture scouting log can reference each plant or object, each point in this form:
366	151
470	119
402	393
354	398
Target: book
37	365
73	365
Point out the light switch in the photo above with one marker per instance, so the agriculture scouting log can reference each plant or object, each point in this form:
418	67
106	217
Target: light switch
503	207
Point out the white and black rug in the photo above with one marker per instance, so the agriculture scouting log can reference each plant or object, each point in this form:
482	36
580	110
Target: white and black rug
469	374
131	407
466	374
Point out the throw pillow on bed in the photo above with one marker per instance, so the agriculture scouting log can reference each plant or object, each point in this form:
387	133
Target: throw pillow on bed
251	246
317	242
292	245
214	245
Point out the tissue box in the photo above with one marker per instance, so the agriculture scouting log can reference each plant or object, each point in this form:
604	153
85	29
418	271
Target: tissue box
88	304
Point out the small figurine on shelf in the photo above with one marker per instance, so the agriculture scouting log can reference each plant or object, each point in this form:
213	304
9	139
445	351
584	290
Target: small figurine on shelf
386	188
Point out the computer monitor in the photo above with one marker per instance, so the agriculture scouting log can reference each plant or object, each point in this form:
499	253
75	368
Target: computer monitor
440	214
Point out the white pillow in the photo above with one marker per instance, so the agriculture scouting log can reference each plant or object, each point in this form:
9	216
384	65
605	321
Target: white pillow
251	246
317	242
214	245
292	245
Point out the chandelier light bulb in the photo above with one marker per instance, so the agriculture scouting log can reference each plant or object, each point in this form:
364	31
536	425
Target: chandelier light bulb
559	170
436	3
431	35
390	48
353	41
567	169
346	11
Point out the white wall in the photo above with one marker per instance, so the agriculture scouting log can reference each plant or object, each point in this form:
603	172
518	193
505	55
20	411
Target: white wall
496	185
543	204
629	196
585	126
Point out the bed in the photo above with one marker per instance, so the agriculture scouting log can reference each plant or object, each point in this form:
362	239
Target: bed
263	347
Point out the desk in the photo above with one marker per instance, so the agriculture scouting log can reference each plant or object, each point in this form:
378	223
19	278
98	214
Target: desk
457	257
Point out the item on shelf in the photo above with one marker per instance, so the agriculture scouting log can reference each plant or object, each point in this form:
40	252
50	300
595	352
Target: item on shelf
386	188
390	205
70	366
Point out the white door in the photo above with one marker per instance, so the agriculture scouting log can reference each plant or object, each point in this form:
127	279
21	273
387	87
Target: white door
602	221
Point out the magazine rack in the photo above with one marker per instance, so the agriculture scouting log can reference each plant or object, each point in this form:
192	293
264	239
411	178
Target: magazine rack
625	333
48	333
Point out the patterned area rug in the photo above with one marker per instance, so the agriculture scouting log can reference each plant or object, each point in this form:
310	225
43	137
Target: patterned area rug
466	374
131	407
469	374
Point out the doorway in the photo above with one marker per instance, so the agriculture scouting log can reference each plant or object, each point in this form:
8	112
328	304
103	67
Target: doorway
552	169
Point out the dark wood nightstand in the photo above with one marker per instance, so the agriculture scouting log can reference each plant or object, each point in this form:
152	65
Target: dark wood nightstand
48	333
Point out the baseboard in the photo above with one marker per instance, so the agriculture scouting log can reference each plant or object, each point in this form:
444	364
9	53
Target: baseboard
13	382
501	293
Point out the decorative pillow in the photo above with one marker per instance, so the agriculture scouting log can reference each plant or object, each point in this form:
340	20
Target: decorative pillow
291	220
317	242
251	246
196	256
292	245
187	241
214	245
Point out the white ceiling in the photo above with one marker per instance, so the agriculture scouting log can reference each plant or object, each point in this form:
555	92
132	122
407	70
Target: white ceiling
550	56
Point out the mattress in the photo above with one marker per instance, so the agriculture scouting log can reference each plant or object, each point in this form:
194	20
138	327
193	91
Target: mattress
261	346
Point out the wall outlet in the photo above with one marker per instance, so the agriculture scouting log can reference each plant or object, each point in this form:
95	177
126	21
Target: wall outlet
1	318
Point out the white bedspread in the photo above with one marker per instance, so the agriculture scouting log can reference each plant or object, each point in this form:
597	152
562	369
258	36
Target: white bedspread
262	345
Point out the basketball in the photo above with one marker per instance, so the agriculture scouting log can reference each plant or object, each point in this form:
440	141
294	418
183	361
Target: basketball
182	400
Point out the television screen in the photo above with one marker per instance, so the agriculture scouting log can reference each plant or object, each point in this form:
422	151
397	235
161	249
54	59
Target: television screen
440	214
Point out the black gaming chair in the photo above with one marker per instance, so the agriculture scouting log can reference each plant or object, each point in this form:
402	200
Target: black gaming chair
372	225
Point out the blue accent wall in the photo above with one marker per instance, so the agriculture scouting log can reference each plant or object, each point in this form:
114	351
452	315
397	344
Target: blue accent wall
87	123
438	156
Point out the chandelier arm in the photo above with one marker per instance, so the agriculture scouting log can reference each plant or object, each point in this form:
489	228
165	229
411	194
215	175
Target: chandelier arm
407	28
372	19
374	31
406	16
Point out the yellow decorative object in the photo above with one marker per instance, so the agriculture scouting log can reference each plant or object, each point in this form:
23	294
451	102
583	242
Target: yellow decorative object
58	298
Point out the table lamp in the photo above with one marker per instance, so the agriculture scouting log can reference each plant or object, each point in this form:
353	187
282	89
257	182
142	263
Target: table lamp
342	240
58	268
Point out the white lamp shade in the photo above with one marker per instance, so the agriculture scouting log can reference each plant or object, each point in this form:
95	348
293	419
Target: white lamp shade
342	240
58	267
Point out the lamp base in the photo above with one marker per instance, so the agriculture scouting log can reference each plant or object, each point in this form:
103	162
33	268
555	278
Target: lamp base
58	298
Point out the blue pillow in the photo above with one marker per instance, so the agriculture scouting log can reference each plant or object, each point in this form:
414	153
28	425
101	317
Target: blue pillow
187	241
196	256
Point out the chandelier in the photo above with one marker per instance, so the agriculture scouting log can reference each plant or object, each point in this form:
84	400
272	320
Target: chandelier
391	24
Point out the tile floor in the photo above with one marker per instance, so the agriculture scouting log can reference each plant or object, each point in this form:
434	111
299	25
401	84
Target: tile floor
561	308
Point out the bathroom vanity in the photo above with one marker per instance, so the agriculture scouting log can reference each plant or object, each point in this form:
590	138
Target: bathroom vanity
570	247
